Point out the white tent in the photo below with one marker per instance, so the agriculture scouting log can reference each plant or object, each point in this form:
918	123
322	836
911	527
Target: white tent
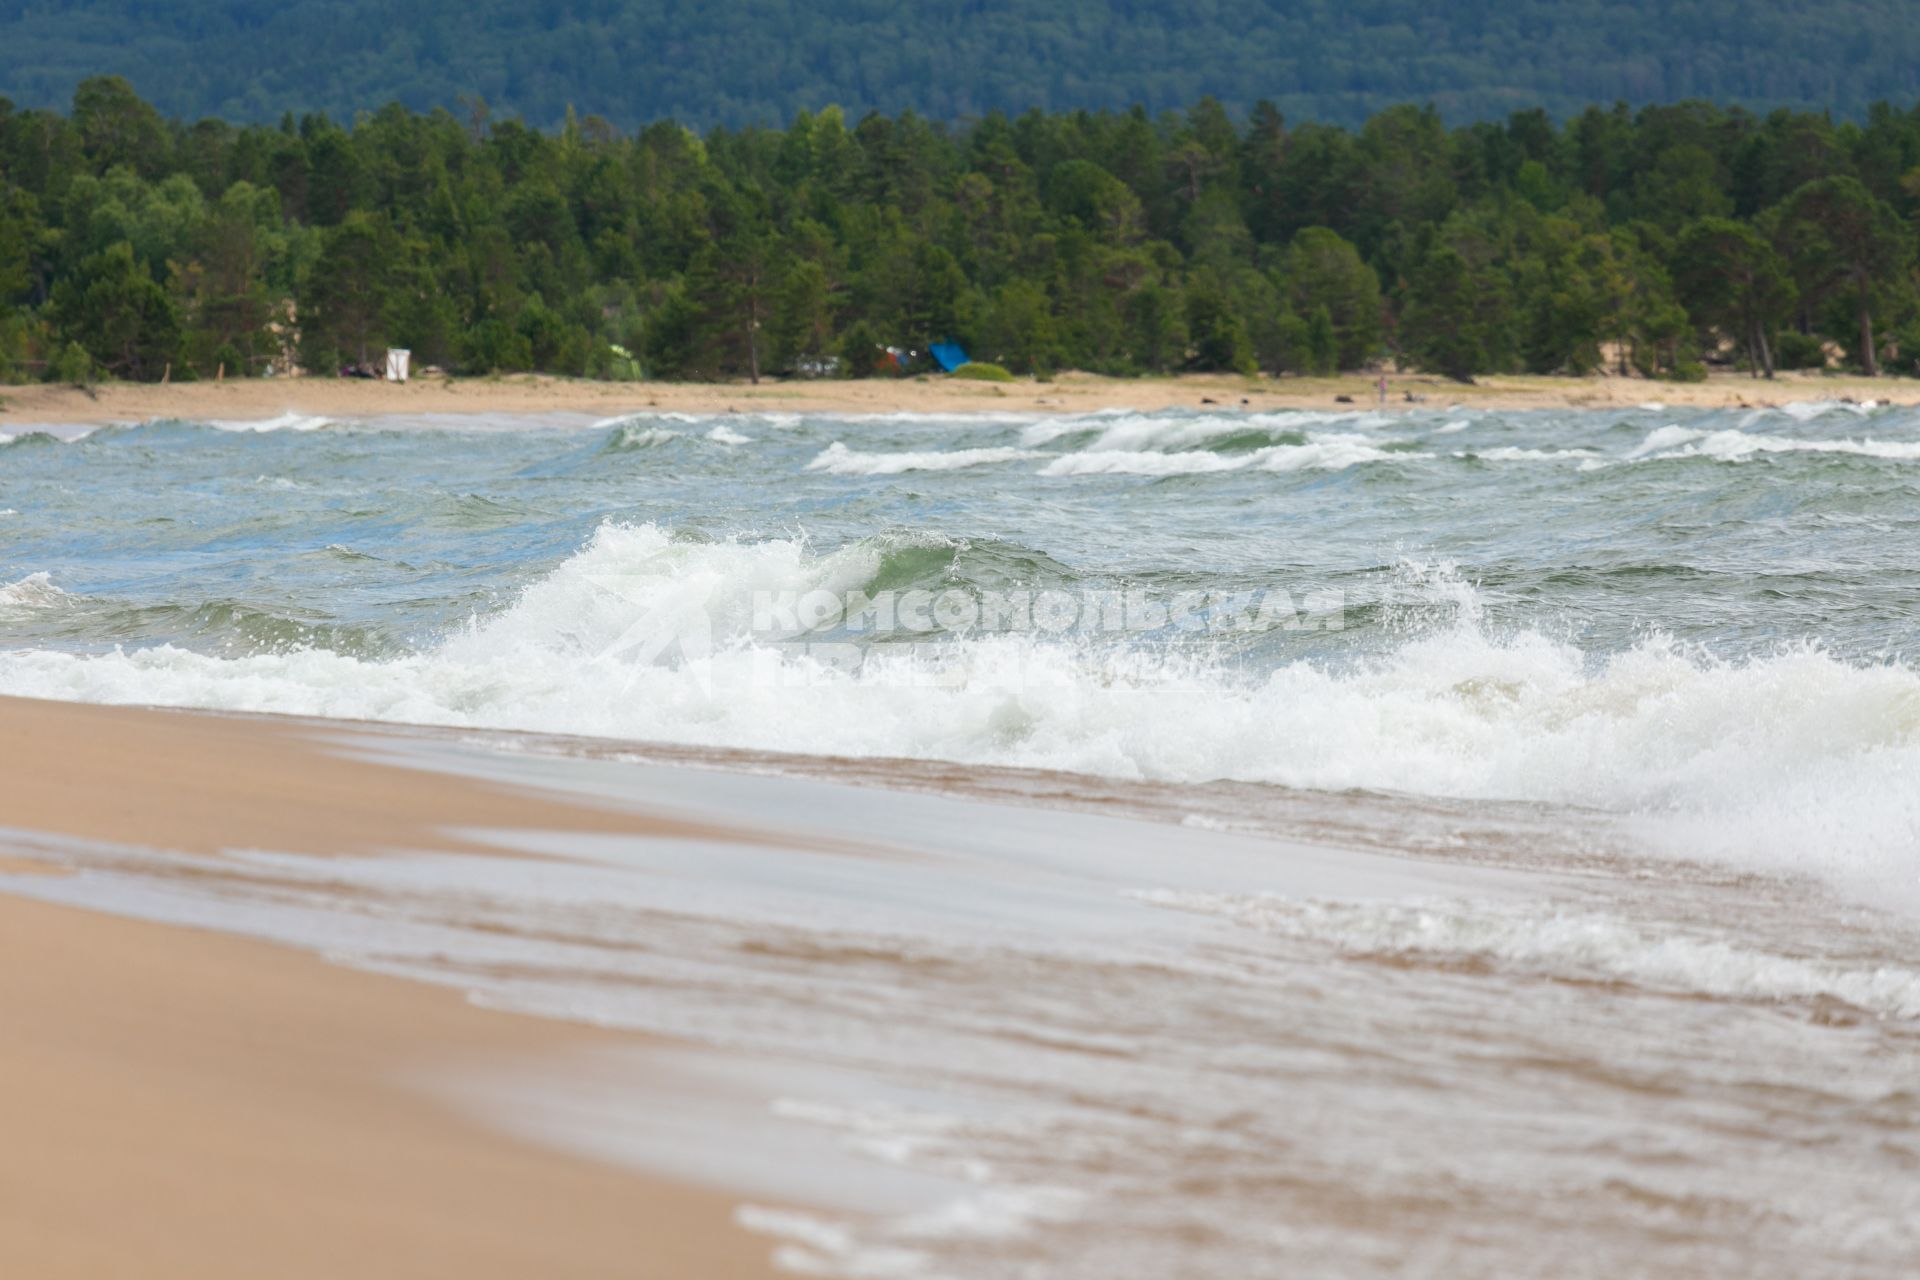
397	359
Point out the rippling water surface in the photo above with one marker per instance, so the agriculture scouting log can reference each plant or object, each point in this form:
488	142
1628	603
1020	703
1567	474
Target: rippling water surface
1664	661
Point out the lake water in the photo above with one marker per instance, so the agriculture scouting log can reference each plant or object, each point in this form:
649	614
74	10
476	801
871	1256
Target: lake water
1471	841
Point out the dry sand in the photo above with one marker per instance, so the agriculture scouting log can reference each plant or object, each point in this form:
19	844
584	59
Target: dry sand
181	1104
1070	393
199	783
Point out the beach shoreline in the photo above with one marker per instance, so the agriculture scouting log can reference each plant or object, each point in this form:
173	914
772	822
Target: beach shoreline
266	981
183	1103
188	1104
261	399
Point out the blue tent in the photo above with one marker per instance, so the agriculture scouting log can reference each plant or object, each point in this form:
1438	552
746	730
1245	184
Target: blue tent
949	355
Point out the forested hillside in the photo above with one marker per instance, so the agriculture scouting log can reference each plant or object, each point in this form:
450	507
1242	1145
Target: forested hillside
760	61
137	247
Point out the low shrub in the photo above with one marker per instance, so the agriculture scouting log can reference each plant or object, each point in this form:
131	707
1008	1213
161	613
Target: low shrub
981	371
72	366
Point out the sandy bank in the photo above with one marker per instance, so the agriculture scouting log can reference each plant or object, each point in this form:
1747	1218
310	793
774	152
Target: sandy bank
196	783
180	1104
1070	393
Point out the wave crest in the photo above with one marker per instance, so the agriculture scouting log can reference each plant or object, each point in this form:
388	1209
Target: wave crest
1797	759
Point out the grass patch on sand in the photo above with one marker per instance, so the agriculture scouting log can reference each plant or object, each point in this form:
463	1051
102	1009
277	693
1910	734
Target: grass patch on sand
981	371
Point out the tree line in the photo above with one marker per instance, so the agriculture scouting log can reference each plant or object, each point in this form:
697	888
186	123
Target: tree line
1659	240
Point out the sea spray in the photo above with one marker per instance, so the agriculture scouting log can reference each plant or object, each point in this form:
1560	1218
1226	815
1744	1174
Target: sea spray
1794	759
1699	621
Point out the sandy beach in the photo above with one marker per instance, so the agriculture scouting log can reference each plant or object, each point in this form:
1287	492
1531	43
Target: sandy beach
988	1053
236	1108
1069	393
181	1104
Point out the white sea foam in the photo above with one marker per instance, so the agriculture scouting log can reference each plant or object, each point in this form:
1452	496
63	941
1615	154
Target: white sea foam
1733	445
818	1246
35	591
837	459
1808	410
726	435
632	435
1323	453
1331	452
1567	942
285	422
1128	431
643	420
1795	760
904	1248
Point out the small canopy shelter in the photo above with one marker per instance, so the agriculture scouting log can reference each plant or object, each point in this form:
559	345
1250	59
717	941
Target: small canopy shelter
948	355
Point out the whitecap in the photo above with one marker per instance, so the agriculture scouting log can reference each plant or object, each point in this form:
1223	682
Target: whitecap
285	422
837	459
1795	760
35	591
1332	452
1734	445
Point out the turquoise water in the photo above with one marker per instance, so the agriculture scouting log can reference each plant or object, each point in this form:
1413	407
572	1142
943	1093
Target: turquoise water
1775	528
1702	617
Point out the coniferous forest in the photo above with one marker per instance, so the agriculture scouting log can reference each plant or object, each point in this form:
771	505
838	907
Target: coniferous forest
1663	239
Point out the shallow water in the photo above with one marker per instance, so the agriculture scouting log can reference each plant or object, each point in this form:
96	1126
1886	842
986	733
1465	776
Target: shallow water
1449	842
978	1038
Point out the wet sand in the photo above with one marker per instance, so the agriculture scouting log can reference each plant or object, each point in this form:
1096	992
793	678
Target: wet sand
184	1104
1069	393
1062	1027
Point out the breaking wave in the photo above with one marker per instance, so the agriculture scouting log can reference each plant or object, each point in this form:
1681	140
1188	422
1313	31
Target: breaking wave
1795	760
1734	445
1328	453
837	459
284	422
35	591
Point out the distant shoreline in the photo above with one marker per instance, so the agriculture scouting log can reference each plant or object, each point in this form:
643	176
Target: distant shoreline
244	400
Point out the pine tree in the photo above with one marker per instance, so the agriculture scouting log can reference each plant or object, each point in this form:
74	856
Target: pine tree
1729	277
1851	245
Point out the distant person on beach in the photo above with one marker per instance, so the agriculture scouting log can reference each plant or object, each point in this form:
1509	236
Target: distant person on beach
1381	386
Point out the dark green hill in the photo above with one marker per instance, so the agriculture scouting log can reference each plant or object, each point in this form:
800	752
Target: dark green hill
762	60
